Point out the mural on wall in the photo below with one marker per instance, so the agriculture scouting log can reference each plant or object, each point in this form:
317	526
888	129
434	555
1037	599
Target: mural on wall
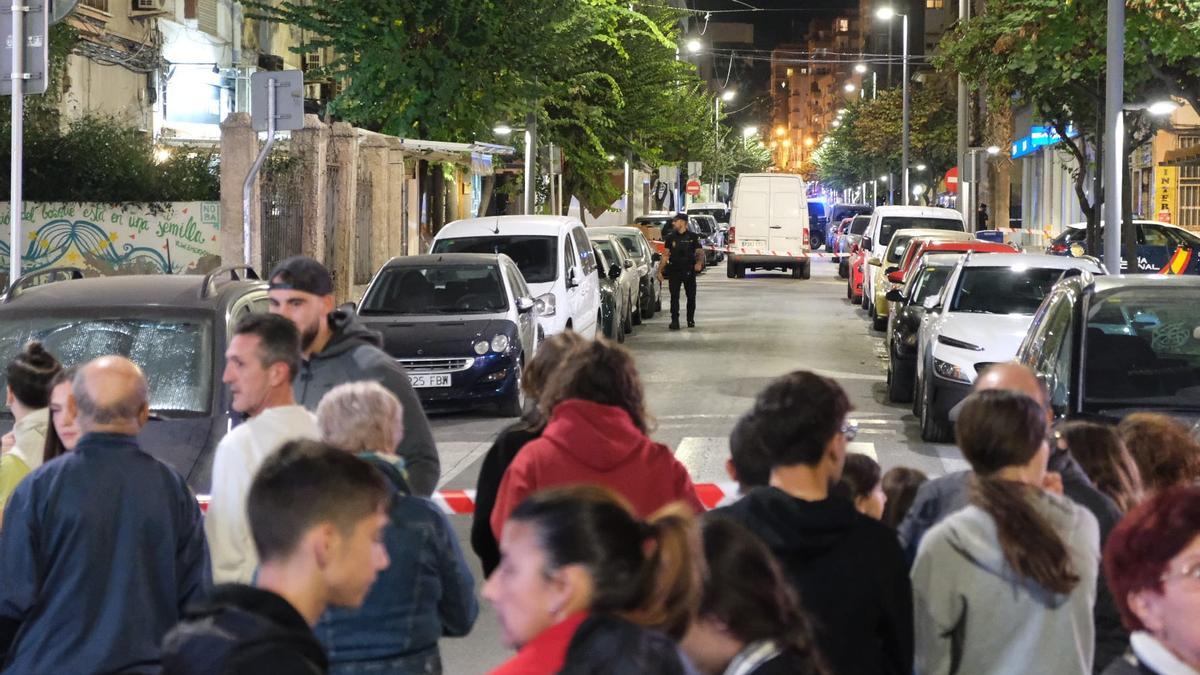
109	239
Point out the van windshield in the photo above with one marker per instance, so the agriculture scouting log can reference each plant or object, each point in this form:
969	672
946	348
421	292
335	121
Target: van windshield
721	215
536	257
891	225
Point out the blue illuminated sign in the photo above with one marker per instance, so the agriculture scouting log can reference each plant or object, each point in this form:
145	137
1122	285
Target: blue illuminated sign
1039	137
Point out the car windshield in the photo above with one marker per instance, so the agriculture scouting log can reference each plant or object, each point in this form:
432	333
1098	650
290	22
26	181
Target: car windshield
437	289
859	224
1071	235
704	226
929	283
630	243
174	353
1142	348
1003	290
891	225
720	215
897	248
536	257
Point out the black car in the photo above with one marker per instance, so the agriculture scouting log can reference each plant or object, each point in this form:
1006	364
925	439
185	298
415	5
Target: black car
463	325
1107	346
175	327
906	308
613	302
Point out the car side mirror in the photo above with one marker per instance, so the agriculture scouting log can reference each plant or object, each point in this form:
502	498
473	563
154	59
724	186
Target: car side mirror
875	262
614	271
867	243
572	280
628	264
525	304
895	295
931	303
656	257
895	276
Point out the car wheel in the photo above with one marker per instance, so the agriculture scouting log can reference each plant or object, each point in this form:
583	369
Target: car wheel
933	429
627	322
878	322
514	402
864	301
849	291
843	269
814	242
636	311
899	381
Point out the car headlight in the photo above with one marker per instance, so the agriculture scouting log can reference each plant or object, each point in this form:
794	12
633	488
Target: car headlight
481	347
500	343
958	344
949	371
546	304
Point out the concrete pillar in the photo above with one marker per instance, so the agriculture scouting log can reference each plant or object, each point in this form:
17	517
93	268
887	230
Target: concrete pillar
239	147
395	203
373	158
310	145
343	155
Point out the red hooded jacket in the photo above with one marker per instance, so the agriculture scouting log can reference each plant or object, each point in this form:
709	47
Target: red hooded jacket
587	442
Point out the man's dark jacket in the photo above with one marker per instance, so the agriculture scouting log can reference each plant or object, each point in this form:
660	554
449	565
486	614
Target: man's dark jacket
849	572
944	495
354	353
242	630
491	472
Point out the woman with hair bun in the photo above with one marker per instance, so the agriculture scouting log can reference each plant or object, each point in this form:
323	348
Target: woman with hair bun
27	395
585	586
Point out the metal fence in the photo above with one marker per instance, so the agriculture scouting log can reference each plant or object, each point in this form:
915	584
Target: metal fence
282	210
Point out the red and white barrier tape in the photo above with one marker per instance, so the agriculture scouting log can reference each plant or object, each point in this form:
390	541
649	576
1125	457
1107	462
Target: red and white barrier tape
462	502
784	254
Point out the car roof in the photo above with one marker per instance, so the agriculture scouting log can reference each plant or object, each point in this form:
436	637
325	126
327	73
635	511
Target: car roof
1040	260
977	245
708	205
167	290
434	259
614	229
1116	281
495	226
940	259
919	232
916	211
1137	221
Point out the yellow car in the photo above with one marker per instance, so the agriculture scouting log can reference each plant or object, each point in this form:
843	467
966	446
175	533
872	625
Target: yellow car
891	262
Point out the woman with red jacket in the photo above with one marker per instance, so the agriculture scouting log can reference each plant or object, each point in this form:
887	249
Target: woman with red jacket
597	433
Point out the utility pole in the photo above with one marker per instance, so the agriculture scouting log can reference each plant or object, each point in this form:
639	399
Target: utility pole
964	123
905	115
1114	123
530	160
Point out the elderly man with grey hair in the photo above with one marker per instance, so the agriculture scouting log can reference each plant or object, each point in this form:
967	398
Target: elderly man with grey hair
101	548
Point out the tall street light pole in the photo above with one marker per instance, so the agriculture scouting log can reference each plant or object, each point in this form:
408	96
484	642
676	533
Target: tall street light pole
1114	133
886	14
964	122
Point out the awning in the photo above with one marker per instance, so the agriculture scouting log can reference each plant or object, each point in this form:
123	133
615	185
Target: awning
1182	157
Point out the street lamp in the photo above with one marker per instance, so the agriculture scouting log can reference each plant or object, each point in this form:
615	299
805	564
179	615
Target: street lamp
728	95
1158	108
748	131
993	150
808	141
502	129
886	13
860	68
780	131
884	178
694	46
920	167
849	87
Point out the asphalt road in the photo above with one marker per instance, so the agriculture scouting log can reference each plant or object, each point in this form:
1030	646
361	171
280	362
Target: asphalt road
699	380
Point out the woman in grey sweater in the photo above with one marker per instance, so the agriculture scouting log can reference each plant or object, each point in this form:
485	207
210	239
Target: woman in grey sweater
1007	584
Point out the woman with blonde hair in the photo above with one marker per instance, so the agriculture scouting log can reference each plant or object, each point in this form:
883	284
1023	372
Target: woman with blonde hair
427	591
1105	459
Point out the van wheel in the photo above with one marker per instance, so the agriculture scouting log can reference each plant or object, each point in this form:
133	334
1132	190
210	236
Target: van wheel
806	269
730	268
741	271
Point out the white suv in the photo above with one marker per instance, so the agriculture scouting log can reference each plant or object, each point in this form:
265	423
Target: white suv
978	320
553	254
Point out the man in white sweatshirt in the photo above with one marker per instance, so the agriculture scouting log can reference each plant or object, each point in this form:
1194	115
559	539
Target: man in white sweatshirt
260	364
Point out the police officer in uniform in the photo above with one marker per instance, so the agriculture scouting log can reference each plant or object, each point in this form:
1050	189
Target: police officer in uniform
683	261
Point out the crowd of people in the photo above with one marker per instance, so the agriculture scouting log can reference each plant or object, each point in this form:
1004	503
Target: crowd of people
1067	548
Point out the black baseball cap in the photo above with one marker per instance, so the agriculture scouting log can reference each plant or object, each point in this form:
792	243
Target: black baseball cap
301	273
680	216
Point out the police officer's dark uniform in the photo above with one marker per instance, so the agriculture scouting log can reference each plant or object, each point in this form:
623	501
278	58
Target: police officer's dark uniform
684	252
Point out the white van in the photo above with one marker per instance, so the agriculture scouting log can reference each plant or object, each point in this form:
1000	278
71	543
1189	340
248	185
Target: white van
888	220
769	225
554	256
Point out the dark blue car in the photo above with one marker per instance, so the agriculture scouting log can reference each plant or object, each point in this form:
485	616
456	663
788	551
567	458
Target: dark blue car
1162	248
463	325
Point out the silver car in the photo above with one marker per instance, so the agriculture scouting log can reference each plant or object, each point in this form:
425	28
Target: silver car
621	270
645	260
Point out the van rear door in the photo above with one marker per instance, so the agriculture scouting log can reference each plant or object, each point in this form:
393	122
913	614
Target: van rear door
789	217
752	212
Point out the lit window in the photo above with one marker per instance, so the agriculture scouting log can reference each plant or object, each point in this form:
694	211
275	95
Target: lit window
789	72
844	24
934	4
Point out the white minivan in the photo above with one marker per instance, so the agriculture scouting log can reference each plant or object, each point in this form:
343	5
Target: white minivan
554	256
769	225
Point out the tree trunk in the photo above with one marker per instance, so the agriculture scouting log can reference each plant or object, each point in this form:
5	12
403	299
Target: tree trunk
1002	167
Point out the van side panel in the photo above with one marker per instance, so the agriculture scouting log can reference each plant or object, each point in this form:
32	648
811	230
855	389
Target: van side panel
752	211
789	215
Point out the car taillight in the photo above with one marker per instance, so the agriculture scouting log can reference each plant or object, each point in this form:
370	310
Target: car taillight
1058	248
732	235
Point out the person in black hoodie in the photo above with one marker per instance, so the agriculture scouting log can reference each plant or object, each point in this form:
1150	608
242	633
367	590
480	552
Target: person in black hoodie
848	569
317	515
551	353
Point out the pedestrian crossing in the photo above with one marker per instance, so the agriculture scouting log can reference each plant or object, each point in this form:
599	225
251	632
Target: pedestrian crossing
705	456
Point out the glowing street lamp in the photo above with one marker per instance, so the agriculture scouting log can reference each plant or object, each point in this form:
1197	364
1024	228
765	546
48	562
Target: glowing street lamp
728	95
849	87
860	68
694	46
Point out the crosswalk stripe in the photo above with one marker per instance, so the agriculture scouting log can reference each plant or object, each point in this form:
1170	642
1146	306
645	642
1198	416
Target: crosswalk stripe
705	456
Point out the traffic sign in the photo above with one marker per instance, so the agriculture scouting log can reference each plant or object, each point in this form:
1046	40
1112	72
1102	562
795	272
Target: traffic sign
36	26
693	187
289	99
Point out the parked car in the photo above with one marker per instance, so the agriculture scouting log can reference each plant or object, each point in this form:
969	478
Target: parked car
655	226
979	319
888	220
856	275
718	210
553	254
645	259
620	268
848	243
711	237
818	222
463	325
1157	246
889	262
834	237
769	226
906	306
175	327
1108	346
920	246
614	303
840	212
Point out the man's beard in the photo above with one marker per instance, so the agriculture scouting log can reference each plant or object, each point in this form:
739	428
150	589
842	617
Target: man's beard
308	336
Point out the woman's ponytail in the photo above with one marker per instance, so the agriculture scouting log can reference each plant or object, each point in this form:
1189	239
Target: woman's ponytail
674	569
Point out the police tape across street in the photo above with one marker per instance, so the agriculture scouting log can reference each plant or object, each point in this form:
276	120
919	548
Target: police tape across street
784	254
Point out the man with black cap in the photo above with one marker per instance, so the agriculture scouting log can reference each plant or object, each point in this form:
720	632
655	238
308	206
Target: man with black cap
338	349
684	259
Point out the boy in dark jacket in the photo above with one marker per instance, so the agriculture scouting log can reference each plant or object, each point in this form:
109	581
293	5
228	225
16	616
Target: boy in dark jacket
317	515
848	569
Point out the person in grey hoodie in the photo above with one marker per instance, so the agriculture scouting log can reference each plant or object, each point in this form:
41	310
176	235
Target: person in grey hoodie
338	349
1007	584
